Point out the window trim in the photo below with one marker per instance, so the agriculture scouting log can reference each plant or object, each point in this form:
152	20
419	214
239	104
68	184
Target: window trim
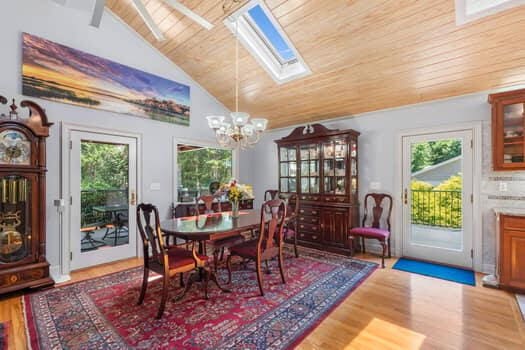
200	143
256	43
462	16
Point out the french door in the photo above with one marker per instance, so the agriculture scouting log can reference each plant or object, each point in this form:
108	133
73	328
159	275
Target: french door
103	182
437	197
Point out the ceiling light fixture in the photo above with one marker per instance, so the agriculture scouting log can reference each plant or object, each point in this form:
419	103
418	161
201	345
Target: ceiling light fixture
237	132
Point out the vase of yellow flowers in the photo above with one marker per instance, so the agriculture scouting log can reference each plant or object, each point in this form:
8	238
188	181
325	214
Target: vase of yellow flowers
236	192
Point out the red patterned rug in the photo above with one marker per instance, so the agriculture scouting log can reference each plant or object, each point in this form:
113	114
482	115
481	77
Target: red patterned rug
4	328
102	313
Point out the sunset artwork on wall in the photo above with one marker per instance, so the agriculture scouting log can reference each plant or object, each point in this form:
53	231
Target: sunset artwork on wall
59	73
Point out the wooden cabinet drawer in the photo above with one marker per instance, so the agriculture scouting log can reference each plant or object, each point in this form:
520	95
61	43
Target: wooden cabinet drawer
309	236
308	219
335	199
513	223
309	228
313	198
309	211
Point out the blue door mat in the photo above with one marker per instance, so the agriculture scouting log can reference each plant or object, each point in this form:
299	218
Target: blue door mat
448	273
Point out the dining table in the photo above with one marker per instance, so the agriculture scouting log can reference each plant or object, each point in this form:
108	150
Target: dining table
210	227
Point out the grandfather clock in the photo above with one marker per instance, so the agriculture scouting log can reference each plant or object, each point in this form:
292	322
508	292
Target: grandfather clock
22	198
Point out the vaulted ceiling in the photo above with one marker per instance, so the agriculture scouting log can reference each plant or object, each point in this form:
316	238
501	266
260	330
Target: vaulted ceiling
365	55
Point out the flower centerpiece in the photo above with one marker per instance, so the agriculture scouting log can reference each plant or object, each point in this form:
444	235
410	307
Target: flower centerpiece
235	192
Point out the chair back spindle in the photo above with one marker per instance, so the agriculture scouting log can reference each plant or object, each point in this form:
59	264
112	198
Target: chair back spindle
380	205
271	194
208	205
271	232
148	223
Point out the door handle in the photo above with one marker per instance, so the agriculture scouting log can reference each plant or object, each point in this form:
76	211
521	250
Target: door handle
405	196
133	198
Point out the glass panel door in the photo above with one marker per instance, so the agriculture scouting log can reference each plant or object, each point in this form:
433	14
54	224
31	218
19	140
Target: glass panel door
103	187
288	169
334	168
437	178
513	133
15	218
309	168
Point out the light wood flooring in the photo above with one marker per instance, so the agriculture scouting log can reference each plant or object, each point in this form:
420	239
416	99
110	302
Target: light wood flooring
390	310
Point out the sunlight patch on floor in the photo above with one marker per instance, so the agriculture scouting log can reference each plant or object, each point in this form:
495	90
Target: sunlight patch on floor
404	338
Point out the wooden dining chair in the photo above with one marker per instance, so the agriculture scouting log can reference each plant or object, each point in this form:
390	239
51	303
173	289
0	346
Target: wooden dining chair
268	245
376	223
271	194
218	246
290	226
165	261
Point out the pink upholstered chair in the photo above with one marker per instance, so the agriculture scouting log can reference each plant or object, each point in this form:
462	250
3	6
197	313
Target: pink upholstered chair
375	225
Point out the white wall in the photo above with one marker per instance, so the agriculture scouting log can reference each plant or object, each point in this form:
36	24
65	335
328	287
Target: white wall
113	41
379	161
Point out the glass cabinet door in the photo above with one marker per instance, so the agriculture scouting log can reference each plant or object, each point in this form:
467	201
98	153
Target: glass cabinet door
353	169
15	218
334	167
288	169
513	133
310	173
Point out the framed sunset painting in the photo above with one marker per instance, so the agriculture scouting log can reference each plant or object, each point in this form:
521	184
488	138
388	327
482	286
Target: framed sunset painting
59	73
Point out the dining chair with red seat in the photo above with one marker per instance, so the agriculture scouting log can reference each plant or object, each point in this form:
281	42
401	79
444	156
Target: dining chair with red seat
269	243
375	224
217	246
166	261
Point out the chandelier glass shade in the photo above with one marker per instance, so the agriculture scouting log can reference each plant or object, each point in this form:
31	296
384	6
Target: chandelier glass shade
238	130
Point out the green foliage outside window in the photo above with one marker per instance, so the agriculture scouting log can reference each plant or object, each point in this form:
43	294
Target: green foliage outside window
198	168
430	153
438	206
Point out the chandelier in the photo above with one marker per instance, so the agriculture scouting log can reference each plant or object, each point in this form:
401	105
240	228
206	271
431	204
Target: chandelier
237	130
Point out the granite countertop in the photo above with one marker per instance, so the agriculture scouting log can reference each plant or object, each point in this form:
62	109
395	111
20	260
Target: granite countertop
509	211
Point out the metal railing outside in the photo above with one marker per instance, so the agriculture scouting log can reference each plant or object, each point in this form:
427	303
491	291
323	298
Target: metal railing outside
92	198
437	208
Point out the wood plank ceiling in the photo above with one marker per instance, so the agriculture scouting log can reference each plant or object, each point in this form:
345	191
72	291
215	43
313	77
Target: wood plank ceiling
365	55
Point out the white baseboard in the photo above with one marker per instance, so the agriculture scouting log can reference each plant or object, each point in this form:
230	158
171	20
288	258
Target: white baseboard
54	271
488	268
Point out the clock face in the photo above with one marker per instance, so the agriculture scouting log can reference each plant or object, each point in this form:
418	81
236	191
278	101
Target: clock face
14	148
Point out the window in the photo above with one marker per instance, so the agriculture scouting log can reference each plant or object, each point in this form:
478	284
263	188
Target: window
200	169
261	34
470	10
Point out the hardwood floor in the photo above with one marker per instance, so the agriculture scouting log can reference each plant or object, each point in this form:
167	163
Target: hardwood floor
390	310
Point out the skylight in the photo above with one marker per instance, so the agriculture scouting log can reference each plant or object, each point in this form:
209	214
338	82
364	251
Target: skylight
470	10
261	34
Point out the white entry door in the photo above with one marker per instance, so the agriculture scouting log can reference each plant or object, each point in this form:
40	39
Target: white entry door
103	182
437	197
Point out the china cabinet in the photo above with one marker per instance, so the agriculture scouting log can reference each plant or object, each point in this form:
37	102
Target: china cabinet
320	165
22	199
508	125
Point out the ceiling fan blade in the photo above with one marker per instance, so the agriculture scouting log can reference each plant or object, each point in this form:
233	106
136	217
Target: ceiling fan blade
146	17
189	13
60	2
98	11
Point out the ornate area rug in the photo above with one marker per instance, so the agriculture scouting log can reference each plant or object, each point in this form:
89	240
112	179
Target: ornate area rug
4	328
102	313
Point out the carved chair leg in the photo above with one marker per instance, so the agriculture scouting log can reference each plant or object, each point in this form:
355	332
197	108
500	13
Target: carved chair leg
188	284
268	272
389	252
206	280
259	275
215	259
229	266
144	286
383	244
281	266
222	254
363	249
164	296
351	245
295	245
182	280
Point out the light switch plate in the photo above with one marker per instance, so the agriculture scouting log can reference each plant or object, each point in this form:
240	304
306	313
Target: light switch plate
154	186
